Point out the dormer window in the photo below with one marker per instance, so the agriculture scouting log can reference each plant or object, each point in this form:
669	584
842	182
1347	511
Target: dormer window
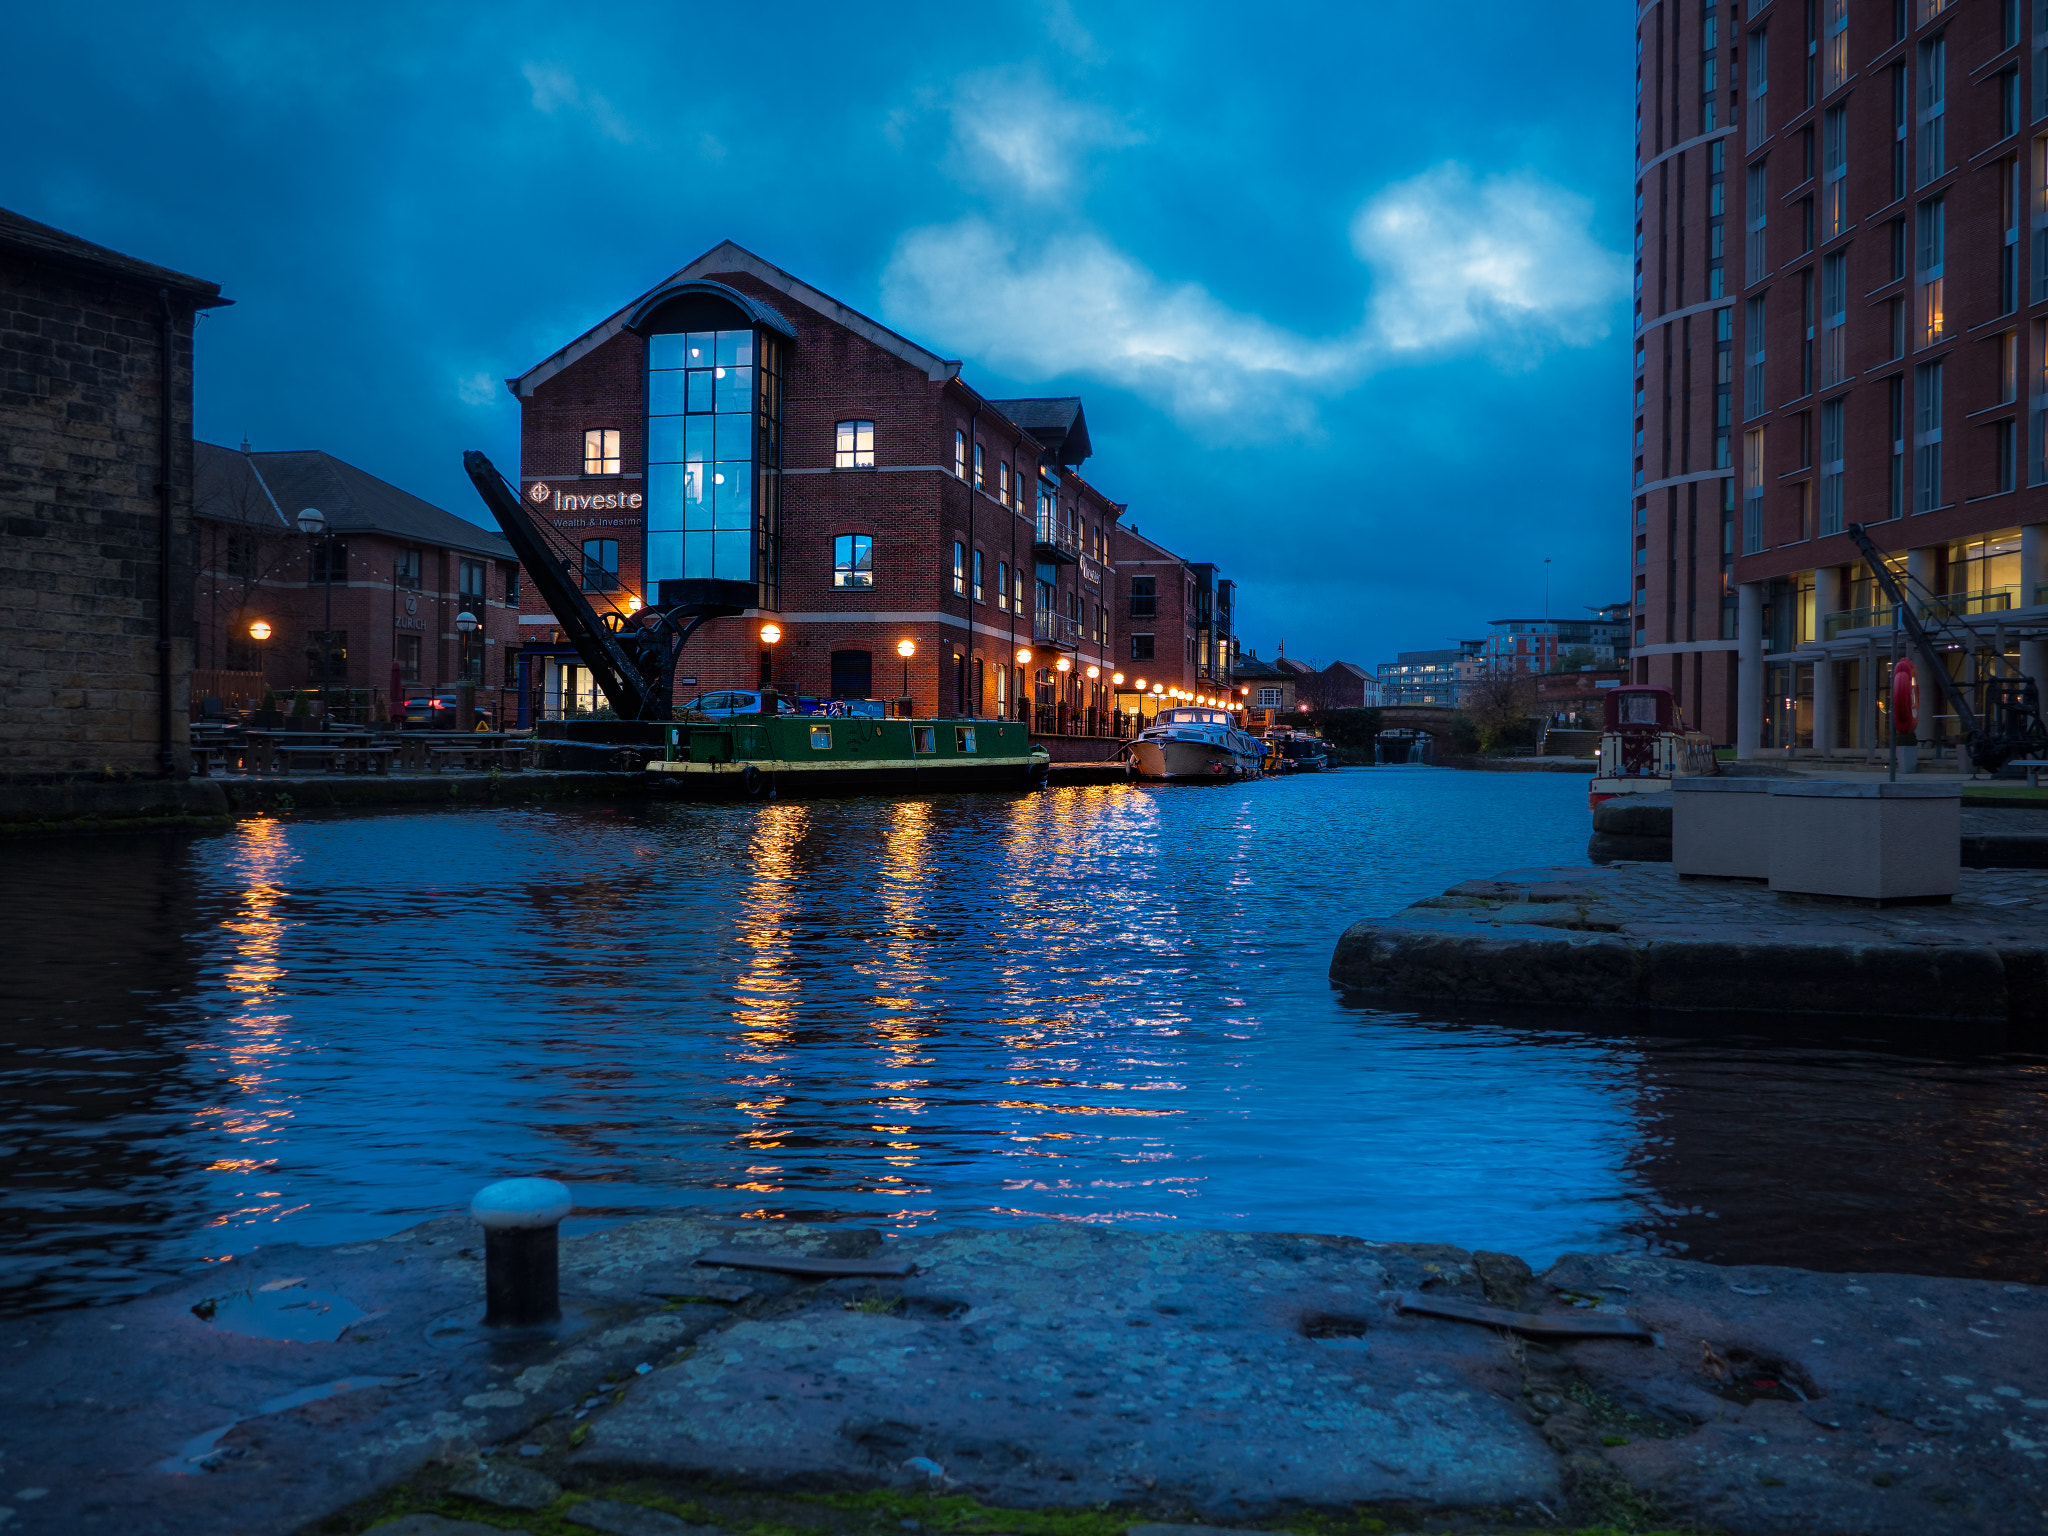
856	445
601	451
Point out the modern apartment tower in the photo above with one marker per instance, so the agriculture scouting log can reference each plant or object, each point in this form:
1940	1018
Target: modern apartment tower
1841	317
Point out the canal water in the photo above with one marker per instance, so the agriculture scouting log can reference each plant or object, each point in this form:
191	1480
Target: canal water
1095	1005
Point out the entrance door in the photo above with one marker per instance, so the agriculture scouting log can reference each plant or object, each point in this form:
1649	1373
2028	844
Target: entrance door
853	674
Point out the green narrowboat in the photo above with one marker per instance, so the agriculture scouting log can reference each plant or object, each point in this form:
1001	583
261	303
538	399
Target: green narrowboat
749	757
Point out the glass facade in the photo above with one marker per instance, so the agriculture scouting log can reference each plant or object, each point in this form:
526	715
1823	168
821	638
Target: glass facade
714	409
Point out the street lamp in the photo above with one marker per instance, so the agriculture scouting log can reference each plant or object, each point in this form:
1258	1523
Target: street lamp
1094	672
260	633
313	524
906	649
770	633
1023	656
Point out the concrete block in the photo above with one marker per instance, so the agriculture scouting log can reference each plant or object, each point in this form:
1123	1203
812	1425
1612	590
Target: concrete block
1866	841
1721	827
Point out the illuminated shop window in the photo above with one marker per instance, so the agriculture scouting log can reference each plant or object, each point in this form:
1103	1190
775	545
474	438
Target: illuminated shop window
856	445
601	451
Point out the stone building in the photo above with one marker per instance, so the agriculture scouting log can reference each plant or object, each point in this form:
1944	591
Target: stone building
888	529
96	497
403	571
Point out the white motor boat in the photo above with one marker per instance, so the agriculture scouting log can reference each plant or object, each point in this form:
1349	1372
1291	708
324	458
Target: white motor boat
1196	743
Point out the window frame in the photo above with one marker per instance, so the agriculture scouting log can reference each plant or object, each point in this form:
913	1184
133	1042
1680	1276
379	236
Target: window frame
601	451
848	449
849	574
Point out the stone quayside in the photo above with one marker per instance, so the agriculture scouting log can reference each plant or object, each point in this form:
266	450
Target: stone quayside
1226	1376
1634	938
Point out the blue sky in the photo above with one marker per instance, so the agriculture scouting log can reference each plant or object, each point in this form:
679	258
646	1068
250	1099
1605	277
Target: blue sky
1345	290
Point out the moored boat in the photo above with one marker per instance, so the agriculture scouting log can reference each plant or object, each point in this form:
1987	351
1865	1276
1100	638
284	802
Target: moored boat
1196	744
1644	745
749	757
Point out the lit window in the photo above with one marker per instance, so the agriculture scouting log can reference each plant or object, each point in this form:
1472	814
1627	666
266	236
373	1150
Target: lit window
959	569
1003	584
601	451
600	565
1003	481
960	455
977	576
853	560
856	447
978	481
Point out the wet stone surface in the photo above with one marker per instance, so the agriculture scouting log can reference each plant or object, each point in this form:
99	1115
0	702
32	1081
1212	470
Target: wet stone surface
1636	937
1229	1377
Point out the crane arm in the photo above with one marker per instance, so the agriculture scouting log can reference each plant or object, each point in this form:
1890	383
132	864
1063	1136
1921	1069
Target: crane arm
633	695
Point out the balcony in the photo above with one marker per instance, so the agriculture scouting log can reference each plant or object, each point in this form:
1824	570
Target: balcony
1933	610
1054	540
1056	629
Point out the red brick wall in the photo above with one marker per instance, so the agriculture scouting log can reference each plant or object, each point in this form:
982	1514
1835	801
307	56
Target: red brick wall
910	503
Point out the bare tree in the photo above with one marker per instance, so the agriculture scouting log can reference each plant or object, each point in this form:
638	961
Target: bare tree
1502	707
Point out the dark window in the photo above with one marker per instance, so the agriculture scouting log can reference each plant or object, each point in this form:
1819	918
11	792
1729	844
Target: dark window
853	562
409	658
241	554
959	569
330	561
512	586
600	565
977	575
334	644
469	657
853	674
1144	596
1141	647
408	570
472	578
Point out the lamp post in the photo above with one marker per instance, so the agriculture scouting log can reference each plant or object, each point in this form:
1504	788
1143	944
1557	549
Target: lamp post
770	634
906	648
260	633
465	691
313	524
1023	699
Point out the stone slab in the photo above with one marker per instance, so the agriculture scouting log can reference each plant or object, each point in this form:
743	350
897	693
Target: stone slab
1061	1365
1638	938
1231	1377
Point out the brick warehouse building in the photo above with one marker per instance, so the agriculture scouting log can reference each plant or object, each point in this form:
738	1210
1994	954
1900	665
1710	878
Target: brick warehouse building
403	571
96	493
1841	317
735	423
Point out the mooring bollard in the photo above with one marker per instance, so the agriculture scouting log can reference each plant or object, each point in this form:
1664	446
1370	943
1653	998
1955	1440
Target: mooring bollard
522	1280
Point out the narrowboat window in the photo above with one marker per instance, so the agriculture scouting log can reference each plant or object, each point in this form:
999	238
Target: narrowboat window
922	739
821	738
963	738
1638	709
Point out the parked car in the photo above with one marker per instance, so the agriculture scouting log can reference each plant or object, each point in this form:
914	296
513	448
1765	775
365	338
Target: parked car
437	711
732	701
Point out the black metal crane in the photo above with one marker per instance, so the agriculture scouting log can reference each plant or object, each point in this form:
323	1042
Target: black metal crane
632	655
2011	725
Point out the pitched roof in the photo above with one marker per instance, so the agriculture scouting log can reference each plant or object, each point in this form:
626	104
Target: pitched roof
45	244
270	490
1056	422
724	258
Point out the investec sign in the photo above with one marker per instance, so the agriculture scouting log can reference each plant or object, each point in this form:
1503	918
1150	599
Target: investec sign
555	499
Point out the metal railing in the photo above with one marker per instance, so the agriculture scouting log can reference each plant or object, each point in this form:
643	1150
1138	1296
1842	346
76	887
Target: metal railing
1935	610
1065	720
1056	629
1061	540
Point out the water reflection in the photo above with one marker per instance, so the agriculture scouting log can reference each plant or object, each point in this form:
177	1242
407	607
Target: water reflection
1092	1005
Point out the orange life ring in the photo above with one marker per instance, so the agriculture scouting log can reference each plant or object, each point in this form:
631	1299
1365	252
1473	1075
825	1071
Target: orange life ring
1905	697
